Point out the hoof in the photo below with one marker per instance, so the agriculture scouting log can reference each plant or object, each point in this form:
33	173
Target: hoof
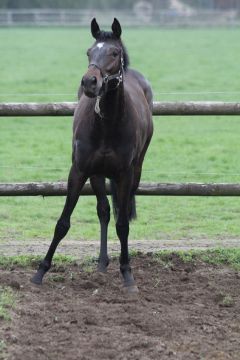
36	279
132	289
102	268
102	265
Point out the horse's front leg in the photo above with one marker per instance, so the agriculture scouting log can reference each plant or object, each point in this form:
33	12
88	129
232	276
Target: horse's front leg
124	189
76	181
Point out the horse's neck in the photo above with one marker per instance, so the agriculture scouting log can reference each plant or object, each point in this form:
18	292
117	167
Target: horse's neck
113	106
109	120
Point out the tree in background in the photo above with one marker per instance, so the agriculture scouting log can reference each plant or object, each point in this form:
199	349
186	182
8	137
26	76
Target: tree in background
114	4
213	4
65	4
80	4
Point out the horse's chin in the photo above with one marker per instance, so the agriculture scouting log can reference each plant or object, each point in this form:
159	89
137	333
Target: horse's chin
90	94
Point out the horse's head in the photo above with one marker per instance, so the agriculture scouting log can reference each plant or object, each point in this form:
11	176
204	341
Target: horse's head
106	60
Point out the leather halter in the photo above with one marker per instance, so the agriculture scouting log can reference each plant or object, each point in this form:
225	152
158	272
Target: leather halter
107	78
105	86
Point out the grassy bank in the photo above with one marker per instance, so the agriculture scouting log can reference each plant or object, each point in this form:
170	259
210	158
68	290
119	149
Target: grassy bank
47	65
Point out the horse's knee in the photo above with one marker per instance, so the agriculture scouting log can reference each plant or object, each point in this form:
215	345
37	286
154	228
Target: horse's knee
61	228
122	229
103	211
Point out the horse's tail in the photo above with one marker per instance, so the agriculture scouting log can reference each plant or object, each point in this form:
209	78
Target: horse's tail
132	210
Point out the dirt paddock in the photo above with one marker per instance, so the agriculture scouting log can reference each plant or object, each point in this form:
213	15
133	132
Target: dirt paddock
181	312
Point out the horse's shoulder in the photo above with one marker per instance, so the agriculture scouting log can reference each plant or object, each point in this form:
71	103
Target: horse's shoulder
83	113
84	105
80	92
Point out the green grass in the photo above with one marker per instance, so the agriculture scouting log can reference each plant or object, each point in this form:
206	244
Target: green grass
222	256
3	348
218	256
7	262
7	300
197	149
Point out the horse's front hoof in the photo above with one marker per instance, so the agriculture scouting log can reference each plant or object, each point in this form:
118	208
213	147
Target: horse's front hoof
37	279
103	264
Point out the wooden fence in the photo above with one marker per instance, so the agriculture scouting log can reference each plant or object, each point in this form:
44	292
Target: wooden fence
149	189
155	17
159	108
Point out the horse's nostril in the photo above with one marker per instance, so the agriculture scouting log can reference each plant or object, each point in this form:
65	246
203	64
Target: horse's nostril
94	80
88	82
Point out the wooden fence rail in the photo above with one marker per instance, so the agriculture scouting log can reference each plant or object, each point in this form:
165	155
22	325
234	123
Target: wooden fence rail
159	108
199	16
148	189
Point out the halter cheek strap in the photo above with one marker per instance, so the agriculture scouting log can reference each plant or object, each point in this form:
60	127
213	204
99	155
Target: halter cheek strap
118	76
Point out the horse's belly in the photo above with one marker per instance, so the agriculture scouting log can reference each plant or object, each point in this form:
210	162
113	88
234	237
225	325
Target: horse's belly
104	160
106	163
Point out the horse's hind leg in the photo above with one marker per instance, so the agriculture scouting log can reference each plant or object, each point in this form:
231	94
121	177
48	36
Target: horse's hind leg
103	211
76	180
124	187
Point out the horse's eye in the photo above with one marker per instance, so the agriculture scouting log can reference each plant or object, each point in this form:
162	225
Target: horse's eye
88	53
115	54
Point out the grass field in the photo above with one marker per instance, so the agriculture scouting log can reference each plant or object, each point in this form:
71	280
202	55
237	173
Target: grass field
47	65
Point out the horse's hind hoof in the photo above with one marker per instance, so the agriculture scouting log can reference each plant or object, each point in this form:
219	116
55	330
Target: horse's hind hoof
131	290
102	268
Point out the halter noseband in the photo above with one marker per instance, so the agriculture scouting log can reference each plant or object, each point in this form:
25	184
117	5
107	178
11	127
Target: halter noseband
107	78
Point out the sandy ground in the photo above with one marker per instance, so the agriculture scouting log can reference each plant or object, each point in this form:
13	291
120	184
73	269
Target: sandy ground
182	311
81	249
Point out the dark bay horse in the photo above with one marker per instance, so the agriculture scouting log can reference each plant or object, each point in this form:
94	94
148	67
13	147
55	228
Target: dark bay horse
111	133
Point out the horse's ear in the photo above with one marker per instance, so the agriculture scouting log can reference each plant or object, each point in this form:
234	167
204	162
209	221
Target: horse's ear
116	28
95	29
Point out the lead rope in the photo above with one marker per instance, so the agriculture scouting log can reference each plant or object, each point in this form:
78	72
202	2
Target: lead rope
97	106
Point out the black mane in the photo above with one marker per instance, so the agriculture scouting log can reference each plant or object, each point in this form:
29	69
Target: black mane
107	35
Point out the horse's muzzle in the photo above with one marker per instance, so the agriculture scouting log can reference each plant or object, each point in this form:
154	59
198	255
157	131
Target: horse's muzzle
91	83
89	86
